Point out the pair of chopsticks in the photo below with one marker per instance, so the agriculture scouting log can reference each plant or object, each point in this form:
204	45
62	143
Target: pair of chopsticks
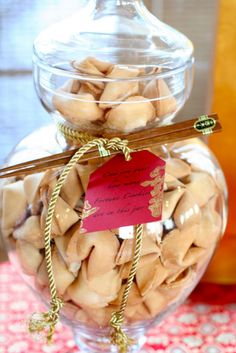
137	141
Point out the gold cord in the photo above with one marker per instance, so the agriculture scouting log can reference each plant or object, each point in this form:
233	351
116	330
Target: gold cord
118	337
47	321
74	135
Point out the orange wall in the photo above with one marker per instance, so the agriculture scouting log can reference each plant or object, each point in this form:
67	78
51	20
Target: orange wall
223	268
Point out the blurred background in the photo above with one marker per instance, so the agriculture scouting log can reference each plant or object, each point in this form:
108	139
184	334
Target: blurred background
209	24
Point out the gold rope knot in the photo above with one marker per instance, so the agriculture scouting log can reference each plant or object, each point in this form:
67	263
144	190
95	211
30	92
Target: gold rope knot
118	337
116	320
57	304
117	144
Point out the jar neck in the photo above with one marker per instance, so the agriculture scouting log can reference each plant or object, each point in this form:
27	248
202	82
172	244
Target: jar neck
106	4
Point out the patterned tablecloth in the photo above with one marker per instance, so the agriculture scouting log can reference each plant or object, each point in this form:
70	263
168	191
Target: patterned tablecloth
204	324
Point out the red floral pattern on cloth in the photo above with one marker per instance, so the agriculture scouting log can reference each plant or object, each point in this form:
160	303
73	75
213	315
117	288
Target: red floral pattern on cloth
204	324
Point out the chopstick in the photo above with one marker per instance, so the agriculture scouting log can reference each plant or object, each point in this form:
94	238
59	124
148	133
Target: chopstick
137	141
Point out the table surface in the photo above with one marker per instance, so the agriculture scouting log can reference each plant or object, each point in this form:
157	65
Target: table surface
206	323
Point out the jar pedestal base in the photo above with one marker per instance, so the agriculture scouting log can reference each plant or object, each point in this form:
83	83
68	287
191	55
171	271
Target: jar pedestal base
98	343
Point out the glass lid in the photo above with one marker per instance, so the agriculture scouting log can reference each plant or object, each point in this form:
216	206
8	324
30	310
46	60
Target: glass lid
122	32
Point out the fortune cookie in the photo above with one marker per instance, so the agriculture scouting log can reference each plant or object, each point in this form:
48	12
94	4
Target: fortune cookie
71	248
63	277
94	246
31	186
172	183
163	100
193	255
177	244
82	295
187	211
119	90
138	312
134	296
92	66
64	217
30	257
69	310
72	189
144	261
31	232
178	280
175	275
202	187
170	201
162	273
167	104
126	251
14	205
155	302
84	172
107	284
209	228
145	276
50	178
101	316
132	114
179	289
203	261
177	168
95	88
81	316
151	275
62	245
78	109
47	185
71	86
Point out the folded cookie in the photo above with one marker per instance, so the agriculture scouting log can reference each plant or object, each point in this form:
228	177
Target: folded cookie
14	204
30	257
134	113
149	246
31	232
120	89
99	248
63	277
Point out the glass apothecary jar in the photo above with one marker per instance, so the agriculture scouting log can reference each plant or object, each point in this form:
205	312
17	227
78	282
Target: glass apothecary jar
91	269
126	68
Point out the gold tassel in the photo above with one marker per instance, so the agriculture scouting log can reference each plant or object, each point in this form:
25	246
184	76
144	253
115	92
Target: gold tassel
46	322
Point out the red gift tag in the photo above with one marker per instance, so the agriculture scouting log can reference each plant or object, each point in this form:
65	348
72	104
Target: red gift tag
122	193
